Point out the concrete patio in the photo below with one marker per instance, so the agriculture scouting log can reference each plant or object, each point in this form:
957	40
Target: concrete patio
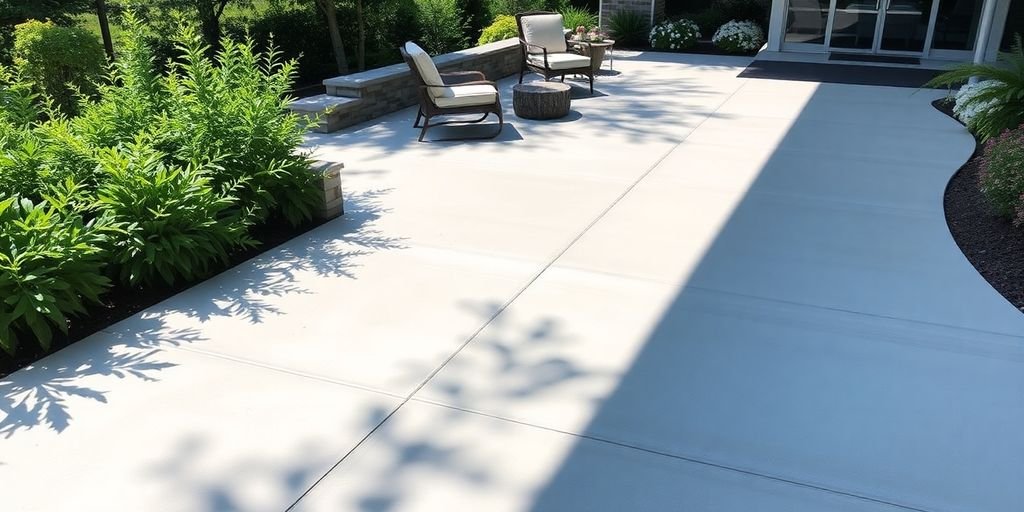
696	293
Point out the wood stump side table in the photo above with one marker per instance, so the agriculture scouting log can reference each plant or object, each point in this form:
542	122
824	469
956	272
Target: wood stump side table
541	100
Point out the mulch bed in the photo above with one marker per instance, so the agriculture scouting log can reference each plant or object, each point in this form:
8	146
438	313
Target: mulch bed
121	302
991	242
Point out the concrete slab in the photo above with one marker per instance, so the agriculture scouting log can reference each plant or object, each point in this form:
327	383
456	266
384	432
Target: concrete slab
111	426
432	458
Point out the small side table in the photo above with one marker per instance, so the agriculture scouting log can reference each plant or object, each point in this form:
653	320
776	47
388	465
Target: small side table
596	51
541	100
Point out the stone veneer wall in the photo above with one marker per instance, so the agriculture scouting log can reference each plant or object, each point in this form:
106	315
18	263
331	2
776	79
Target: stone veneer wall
363	96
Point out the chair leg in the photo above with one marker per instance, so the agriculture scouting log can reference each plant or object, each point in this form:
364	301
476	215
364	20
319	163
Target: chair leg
563	79
419	114
591	83
423	131
521	71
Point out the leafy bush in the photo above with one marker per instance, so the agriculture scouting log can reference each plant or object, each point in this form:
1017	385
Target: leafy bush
708	20
504	27
573	17
51	265
175	223
998	105
739	37
1002	173
513	7
54	57
628	28
297	31
675	35
442	26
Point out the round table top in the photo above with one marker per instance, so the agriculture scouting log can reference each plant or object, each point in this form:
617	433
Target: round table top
606	42
541	87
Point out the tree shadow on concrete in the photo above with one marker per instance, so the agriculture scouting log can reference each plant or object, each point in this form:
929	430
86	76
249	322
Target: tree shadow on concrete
38	395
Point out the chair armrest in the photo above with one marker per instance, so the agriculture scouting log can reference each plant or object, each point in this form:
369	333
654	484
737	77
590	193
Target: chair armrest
543	49
461	77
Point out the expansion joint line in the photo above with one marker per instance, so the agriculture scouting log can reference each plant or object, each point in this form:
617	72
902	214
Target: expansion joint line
518	293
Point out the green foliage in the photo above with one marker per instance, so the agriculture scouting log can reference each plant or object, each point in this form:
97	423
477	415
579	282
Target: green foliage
175	223
50	267
513	7
708	20
1002	173
573	17
62	61
504	27
299	32
157	180
1006	94
628	28
476	15
442	26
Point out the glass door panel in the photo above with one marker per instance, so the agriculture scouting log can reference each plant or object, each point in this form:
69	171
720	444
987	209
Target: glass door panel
956	25
806	21
853	24
905	26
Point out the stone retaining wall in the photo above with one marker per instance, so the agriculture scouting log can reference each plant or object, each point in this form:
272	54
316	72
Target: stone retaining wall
359	97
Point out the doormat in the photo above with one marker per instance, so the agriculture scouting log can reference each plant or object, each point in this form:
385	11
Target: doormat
838	73
887	59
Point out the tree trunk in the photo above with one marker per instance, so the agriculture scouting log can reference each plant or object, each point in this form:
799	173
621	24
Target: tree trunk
209	22
361	47
108	42
331	13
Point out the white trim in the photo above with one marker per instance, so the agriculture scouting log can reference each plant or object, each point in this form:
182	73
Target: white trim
998	27
651	25
777	25
988	11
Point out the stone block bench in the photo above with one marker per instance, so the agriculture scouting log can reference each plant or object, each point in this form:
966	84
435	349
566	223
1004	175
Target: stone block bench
359	97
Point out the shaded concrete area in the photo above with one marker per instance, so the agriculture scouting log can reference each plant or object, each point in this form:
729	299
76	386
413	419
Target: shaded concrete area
696	292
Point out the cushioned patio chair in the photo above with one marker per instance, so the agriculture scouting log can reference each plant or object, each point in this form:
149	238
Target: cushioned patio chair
450	94
544	48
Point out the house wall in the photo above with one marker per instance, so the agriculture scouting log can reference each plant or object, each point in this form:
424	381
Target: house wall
651	10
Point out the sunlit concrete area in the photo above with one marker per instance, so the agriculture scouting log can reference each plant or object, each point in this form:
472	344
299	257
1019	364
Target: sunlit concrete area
696	292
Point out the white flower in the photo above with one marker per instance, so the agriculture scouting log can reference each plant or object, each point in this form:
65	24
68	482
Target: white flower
739	36
966	111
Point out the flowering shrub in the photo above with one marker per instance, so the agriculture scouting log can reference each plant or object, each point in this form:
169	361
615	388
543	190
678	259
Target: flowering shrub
739	37
966	107
1001	174
674	35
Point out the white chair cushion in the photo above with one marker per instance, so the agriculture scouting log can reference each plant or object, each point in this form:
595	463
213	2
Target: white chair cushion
560	60
466	96
428	71
544	30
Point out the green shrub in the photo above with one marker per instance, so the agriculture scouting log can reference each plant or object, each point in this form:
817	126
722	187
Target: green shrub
1001	174
573	17
513	7
675	35
175	223
297	31
708	20
50	267
748	10
1003	100
628	28
60	60
504	27
442	26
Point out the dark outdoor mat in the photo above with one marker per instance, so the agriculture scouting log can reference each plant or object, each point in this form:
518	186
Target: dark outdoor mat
838	73
887	59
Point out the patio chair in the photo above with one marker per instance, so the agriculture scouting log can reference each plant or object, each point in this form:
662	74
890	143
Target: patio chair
544	48
450	94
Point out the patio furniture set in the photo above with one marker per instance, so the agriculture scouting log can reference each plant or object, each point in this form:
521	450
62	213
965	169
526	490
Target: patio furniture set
545	48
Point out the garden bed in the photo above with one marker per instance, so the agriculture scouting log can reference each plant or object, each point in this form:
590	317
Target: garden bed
122	302
990	242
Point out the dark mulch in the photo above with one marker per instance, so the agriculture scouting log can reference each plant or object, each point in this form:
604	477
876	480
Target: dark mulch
704	47
122	302
991	242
